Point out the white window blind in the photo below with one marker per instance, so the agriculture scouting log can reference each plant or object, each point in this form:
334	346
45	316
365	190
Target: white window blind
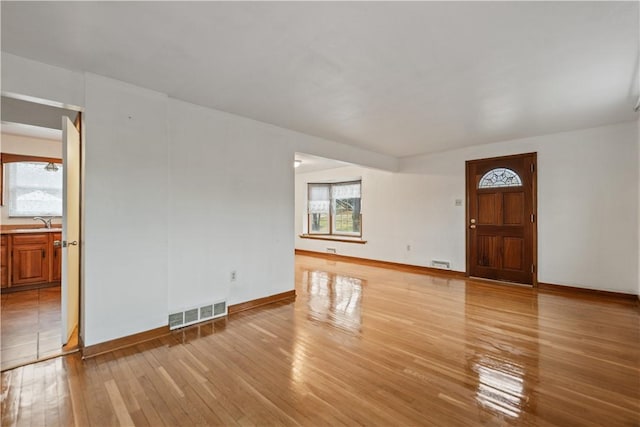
350	190
319	198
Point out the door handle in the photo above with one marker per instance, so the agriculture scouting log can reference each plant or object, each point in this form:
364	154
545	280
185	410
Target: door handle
57	243
65	243
472	220
472	226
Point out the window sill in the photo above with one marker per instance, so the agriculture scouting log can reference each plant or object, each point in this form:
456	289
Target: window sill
31	216
344	239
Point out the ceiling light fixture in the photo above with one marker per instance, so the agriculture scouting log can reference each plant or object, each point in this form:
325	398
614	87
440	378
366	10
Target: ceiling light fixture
51	167
297	163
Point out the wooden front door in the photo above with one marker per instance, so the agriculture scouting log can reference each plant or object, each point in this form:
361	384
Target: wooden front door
501	218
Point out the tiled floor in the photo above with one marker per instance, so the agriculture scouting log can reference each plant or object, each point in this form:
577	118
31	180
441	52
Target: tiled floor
30	326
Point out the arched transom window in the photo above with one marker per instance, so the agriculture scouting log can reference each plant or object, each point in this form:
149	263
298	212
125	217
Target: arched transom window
500	177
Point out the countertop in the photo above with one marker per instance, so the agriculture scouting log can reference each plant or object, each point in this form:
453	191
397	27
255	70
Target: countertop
30	230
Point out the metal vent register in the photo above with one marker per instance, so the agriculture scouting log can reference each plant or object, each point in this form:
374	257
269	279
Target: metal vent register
194	315
175	320
220	309
206	311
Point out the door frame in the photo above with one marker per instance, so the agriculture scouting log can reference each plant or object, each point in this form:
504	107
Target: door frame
79	121
534	204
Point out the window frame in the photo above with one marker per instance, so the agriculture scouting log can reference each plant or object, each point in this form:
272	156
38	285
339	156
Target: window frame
17	158
331	209
485	176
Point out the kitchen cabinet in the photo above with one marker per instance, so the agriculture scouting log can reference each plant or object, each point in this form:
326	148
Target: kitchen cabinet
4	261
29	262
30	259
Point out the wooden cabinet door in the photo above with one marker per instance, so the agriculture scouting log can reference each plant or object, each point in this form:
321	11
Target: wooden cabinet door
4	261
30	264
501	218
56	262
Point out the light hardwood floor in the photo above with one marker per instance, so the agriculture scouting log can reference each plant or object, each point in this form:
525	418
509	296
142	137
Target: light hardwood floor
30	326
361	345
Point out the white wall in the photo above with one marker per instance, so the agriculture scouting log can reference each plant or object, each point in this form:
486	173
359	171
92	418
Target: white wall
138	226
587	207
143	247
18	144
43	81
334	150
230	208
398	209
125	235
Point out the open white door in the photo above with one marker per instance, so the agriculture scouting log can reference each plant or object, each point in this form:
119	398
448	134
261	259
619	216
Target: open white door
70	228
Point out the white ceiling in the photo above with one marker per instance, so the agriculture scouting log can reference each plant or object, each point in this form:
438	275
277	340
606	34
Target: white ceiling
31	131
314	163
399	78
39	115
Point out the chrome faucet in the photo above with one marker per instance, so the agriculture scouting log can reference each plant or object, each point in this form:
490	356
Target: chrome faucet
47	221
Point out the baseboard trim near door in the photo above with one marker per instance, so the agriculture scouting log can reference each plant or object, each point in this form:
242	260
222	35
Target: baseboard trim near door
548	287
409	268
236	308
575	291
131	340
128	341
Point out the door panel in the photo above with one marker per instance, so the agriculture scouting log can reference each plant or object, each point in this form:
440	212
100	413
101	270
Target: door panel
513	208
513	253
488	207
500	213
488	247
70	228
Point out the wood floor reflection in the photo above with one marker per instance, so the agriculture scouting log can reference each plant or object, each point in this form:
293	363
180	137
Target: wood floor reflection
30	326
361	345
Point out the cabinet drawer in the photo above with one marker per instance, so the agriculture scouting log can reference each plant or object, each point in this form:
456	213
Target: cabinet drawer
3	240
29	239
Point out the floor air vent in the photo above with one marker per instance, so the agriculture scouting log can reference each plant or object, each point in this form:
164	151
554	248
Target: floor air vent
194	315
191	316
176	320
206	311
445	265
220	309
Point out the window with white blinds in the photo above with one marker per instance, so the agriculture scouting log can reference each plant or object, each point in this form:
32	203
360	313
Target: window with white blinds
335	208
34	190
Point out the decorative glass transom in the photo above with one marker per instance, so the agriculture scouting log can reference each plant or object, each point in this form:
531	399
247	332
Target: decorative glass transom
500	177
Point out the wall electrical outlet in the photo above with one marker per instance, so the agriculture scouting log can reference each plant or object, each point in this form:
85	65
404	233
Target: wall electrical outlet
234	275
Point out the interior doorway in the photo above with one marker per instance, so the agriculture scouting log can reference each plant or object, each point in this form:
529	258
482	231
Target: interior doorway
40	259
502	218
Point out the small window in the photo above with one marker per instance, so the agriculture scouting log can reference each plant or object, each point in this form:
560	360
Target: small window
34	189
500	177
334	208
